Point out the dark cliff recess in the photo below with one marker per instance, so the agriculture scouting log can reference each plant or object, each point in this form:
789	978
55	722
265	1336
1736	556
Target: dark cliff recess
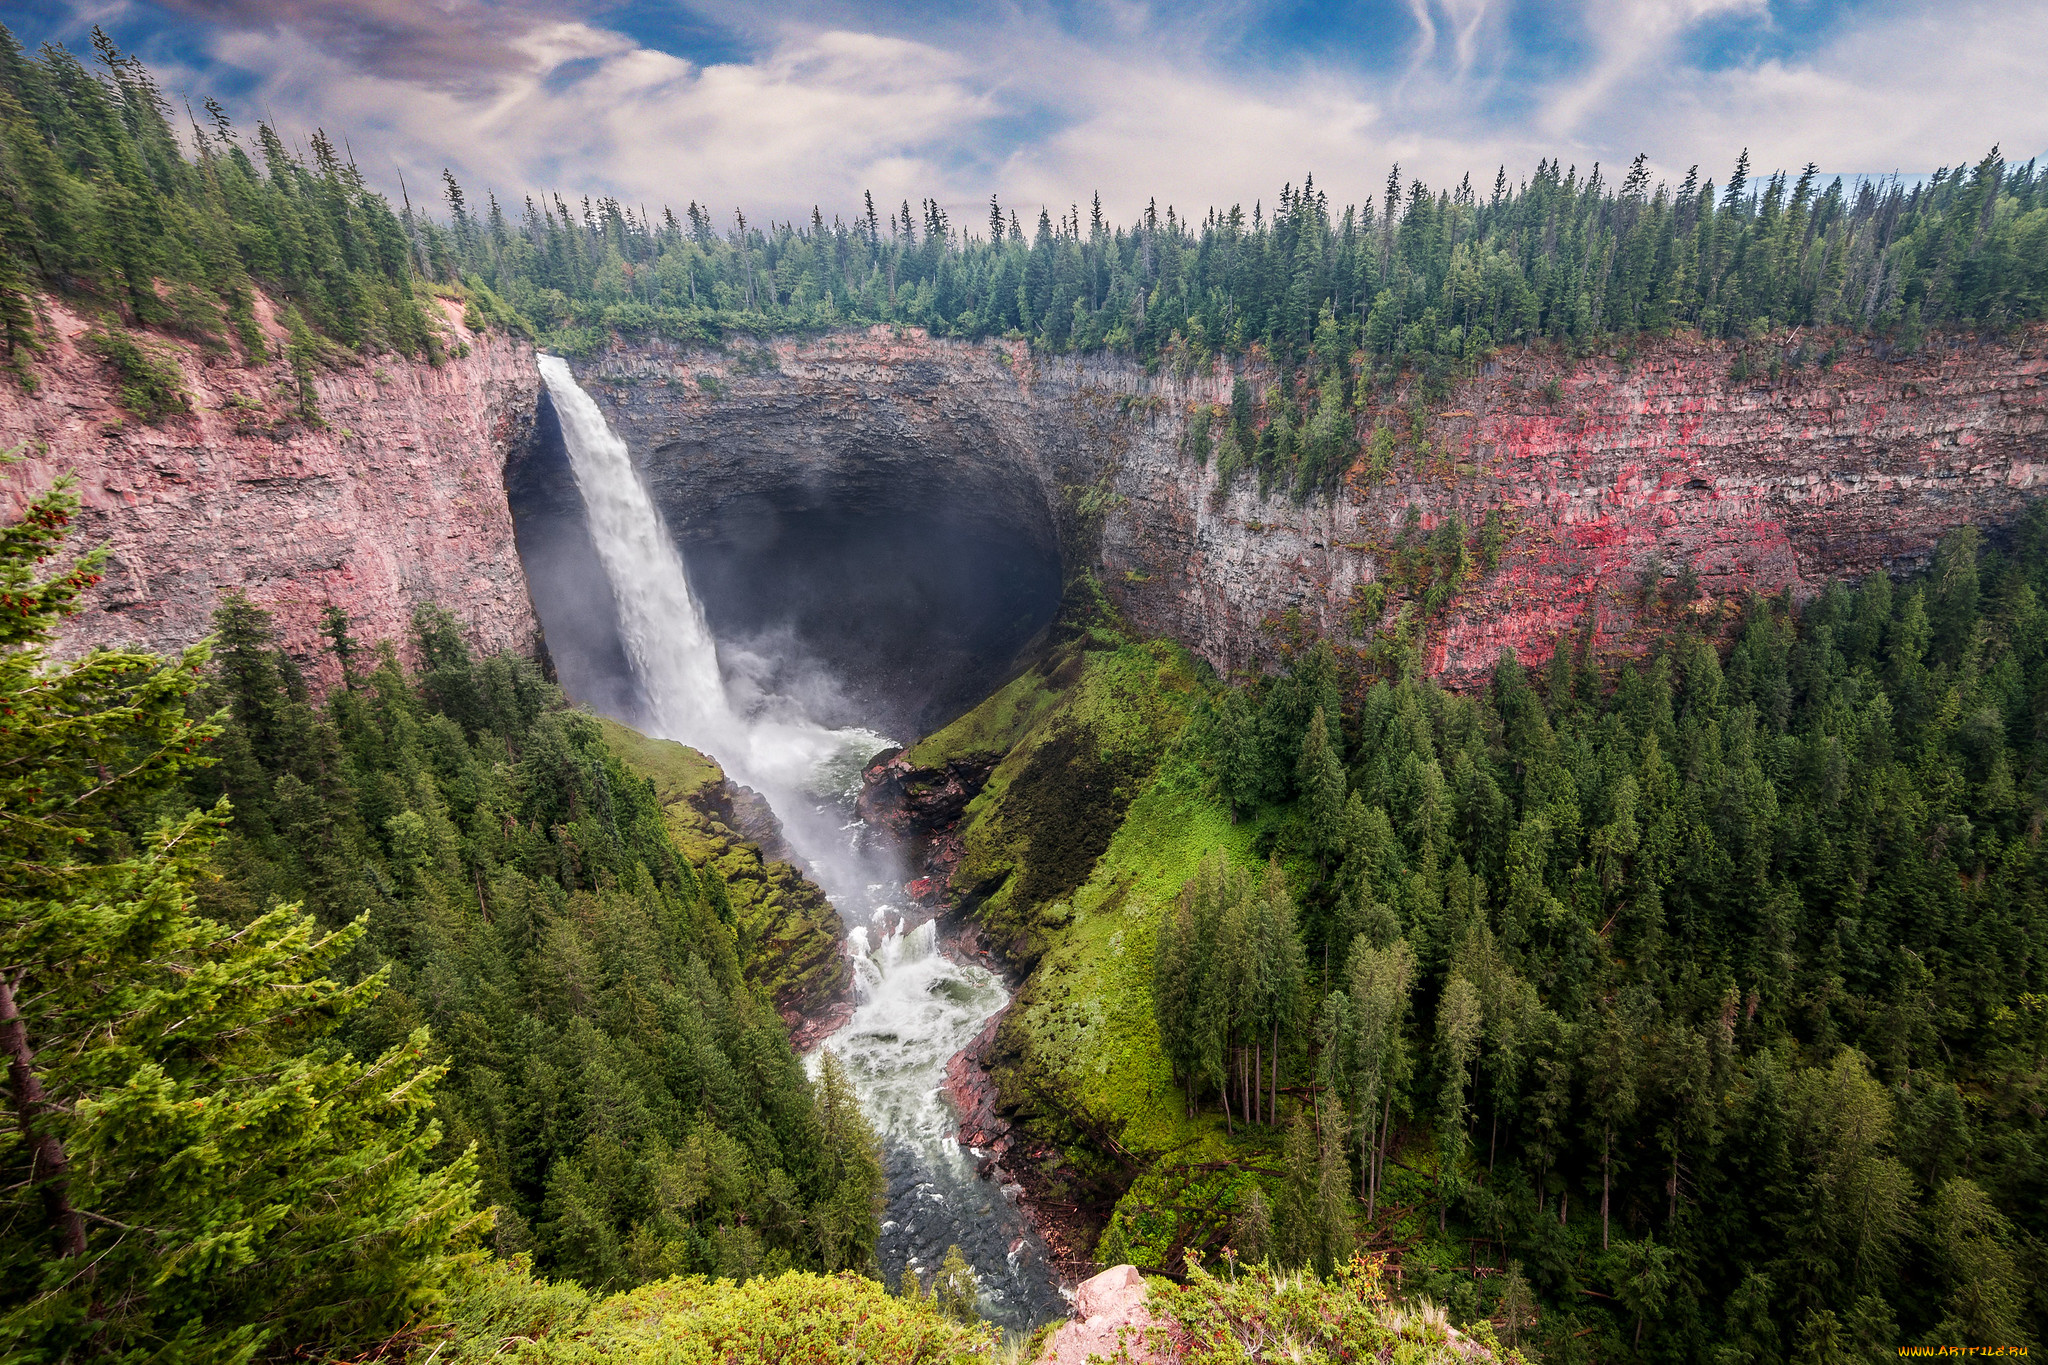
886	568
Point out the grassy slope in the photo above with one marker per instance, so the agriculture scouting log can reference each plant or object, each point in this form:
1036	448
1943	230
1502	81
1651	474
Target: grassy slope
1080	1035
1081	1027
789	933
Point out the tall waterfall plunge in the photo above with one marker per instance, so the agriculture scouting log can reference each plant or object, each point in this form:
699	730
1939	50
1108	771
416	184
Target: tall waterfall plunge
916	1007
662	624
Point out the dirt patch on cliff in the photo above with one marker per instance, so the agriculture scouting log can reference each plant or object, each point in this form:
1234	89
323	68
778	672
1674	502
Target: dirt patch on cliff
1069	800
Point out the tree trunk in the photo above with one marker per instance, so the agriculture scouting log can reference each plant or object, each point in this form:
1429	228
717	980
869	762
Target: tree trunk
1258	1071
1273	1097
1564	1208
1671	1208
1606	1181
48	1165
1227	1127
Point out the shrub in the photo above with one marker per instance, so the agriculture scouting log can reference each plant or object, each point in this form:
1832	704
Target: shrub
152	386
1258	1313
793	1316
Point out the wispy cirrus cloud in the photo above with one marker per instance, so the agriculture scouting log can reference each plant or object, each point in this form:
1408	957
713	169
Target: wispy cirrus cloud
778	107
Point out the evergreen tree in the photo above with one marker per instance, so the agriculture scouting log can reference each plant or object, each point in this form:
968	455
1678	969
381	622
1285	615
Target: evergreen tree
194	1174
1321	779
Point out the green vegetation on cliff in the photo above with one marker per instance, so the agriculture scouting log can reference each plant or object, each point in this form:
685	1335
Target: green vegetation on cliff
788	933
1698	1005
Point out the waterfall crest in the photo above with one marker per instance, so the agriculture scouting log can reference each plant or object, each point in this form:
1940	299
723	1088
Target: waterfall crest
661	622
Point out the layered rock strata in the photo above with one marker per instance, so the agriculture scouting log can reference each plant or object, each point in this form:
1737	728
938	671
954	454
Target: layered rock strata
397	501
1601	468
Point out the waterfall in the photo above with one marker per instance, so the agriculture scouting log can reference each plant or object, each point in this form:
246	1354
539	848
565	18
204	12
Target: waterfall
660	620
915	1006
662	626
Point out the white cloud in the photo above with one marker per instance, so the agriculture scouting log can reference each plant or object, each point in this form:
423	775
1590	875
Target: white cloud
1149	105
822	117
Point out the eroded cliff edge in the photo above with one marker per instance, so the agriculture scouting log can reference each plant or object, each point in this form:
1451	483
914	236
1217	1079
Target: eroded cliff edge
1601	467
399	500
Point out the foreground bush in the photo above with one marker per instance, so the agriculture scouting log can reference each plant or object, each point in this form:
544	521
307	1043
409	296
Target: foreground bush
798	1318
1259	1314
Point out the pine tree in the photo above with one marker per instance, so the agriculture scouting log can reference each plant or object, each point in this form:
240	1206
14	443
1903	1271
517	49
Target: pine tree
1295	1240
1251	1230
1378	982
1457	1038
955	1289
303	354
1321	778
1335	1234
848	1218
18	334
233	1186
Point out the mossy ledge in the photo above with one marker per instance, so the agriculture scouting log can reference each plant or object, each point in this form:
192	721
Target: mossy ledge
789	934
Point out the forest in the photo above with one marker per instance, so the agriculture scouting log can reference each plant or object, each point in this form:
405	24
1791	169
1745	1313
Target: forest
103	194
1715	987
309	1003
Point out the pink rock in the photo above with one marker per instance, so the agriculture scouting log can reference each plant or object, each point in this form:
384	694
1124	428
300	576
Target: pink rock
1109	1312
237	496
1115	1289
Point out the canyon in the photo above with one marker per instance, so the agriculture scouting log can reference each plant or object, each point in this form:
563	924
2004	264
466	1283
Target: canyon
907	508
896	522
1600	468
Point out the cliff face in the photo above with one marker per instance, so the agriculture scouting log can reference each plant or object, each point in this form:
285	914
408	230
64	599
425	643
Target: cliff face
988	469
1600	468
1603	470
398	501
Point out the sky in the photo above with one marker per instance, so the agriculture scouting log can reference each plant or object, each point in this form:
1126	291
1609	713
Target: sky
773	106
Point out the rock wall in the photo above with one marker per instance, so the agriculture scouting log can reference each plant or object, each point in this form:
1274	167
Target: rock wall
398	501
1600	465
1605	467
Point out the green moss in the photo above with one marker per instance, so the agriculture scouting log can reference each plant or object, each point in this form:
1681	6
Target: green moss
677	771
1098	716
789	934
994	727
